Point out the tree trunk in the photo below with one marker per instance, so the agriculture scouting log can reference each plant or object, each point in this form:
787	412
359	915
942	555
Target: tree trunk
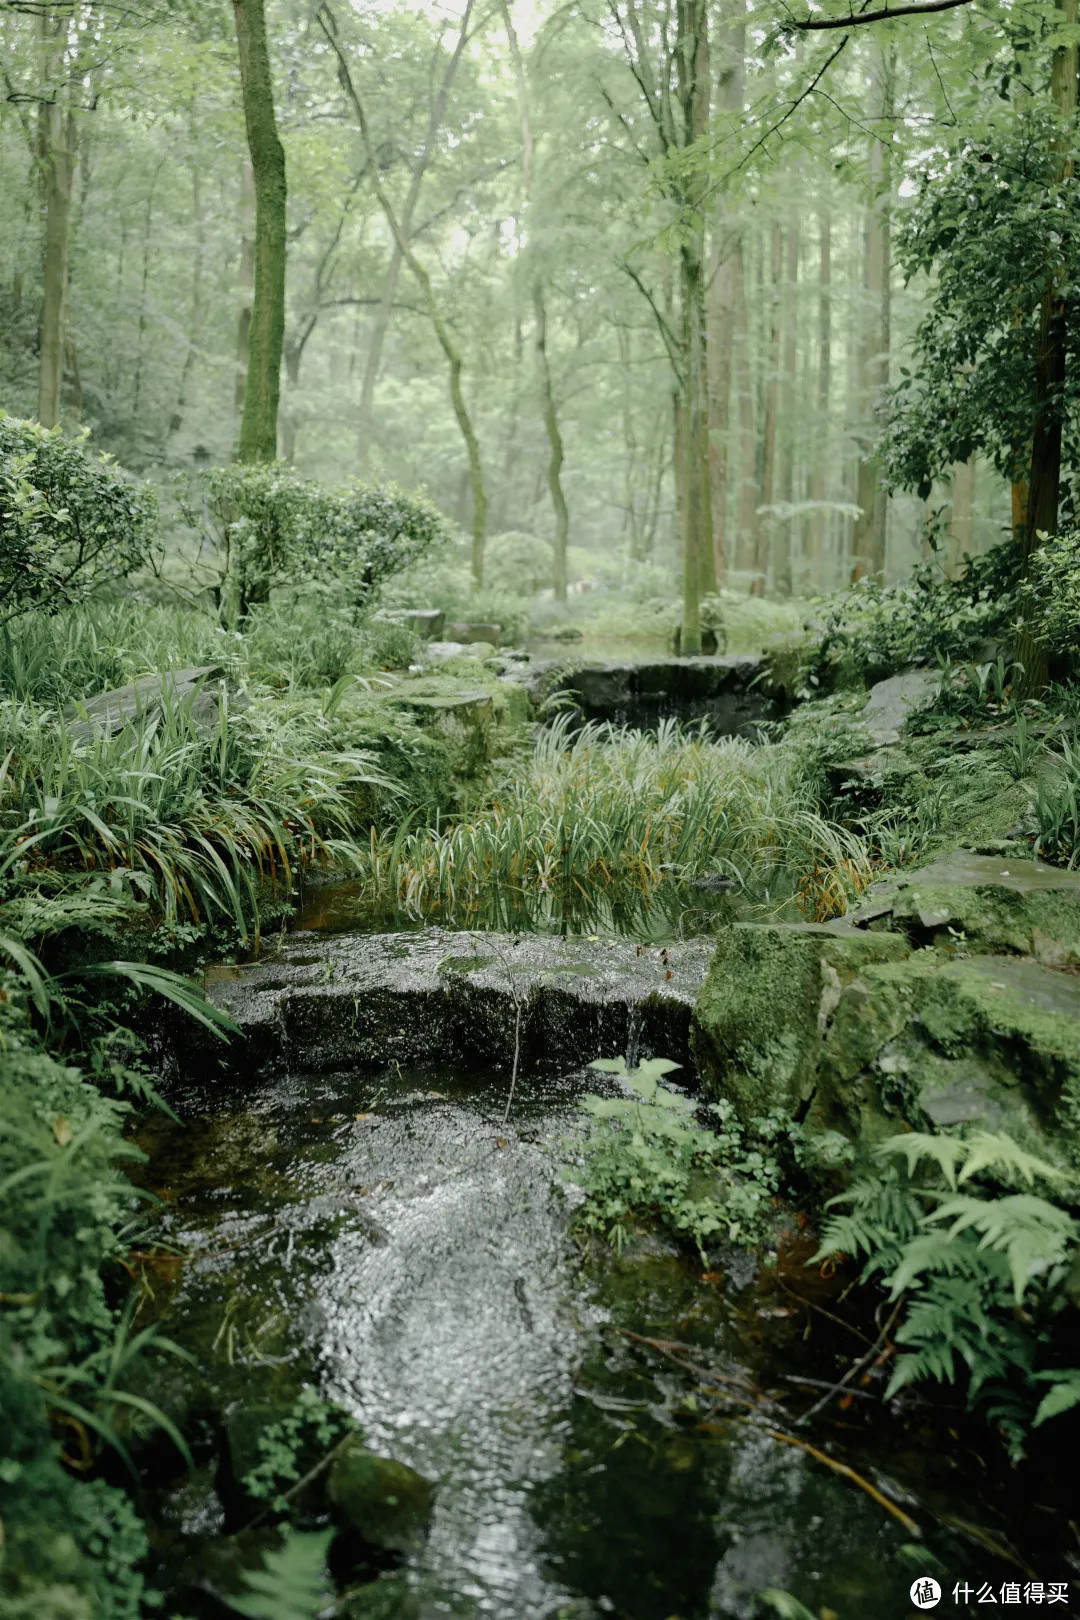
961	518
782	572
547	394
1045	480
258	426
869	538
725	280
763	519
746	522
245	280
819	486
555	458
58	135
692	53
423	281
194	339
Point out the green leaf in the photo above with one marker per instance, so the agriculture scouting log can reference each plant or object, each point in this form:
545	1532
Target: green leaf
293	1583
1062	1398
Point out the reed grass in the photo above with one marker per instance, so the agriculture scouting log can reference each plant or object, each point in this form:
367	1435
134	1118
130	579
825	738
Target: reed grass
188	818
620	808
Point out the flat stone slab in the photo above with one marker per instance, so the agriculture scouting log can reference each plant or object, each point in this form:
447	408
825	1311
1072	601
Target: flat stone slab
468	631
427	622
331	1002
111	711
964	866
725	691
892	703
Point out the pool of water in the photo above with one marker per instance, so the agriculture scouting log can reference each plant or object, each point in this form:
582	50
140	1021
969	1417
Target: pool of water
673	911
610	1434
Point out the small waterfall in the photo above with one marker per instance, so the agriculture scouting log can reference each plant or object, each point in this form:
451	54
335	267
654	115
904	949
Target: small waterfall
633	1035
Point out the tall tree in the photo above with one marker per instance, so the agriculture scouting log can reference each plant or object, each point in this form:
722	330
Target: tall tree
57	145
262	389
869	538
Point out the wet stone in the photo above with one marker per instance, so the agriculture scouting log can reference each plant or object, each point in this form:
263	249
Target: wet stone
726	691
435	996
385	1502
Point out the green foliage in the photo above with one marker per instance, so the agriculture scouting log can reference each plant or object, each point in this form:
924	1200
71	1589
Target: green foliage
517	564
71	521
783	1604
980	1266
293	1583
310	1426
1055	808
189	818
991	220
1052	591
647	1159
274	528
601	806
873	630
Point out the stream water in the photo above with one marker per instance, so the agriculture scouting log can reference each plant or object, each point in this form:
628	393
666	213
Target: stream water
390	1239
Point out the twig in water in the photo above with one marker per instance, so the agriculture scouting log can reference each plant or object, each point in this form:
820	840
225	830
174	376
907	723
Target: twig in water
847	1473
856	1366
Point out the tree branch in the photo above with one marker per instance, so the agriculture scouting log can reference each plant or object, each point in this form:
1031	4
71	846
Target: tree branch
814	24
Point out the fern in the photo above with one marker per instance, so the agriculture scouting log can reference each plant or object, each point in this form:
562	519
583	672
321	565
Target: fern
293	1583
978	1265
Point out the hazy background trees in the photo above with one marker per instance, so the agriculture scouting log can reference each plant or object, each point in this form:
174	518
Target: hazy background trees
621	274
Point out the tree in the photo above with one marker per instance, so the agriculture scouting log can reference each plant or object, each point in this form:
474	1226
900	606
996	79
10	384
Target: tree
262	386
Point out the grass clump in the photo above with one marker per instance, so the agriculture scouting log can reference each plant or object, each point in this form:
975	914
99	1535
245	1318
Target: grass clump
619	808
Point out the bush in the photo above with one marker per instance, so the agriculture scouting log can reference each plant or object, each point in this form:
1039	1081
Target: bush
70	520
273	528
518	564
872	630
1052	589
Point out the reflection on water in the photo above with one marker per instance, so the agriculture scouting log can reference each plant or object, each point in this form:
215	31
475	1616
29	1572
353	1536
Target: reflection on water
391	1240
672	911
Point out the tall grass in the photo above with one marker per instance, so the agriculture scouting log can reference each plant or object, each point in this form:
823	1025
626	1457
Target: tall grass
187	818
619	808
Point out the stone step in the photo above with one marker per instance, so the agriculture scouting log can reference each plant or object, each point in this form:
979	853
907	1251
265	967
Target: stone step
324	1003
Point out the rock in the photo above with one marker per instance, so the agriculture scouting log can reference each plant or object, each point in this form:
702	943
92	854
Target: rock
983	902
856	1032
385	1502
468	631
726	691
989	1039
427	622
331	1002
710	642
441	650
109	712
892	703
763	1007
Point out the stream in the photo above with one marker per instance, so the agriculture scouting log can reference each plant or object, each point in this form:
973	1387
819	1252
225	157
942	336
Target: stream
390	1238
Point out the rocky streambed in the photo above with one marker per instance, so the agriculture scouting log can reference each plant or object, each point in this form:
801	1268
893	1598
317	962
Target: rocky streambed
355	1204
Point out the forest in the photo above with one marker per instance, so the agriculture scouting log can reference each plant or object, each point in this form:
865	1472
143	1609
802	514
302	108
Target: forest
539	808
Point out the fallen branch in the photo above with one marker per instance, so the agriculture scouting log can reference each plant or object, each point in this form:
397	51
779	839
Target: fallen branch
856	1366
847	1473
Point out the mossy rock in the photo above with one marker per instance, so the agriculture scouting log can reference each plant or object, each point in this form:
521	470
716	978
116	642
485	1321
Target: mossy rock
766	1001
991	1041
385	1502
996	903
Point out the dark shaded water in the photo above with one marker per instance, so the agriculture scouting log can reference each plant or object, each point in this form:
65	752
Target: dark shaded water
673	911
391	1240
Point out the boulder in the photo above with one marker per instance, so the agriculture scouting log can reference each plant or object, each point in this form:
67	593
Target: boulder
426	622
764	1006
727	691
468	631
995	903
892	703
384	1502
325	1003
109	712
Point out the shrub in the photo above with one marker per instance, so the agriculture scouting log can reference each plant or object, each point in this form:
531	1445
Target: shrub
1052	588
273	528
518	564
70	520
872	630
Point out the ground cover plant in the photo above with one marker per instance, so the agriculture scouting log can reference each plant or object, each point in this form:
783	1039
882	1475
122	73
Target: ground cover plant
601	805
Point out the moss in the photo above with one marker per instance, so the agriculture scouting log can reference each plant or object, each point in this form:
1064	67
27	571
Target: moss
986	1040
769	993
